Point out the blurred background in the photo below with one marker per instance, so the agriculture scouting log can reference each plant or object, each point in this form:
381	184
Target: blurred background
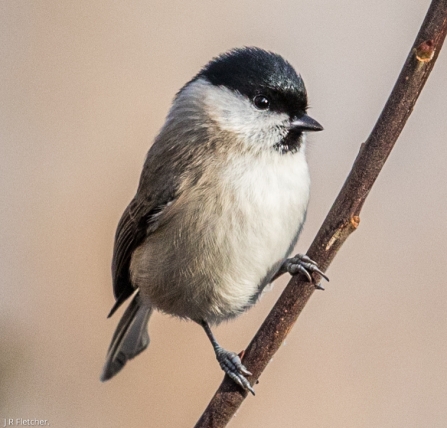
85	86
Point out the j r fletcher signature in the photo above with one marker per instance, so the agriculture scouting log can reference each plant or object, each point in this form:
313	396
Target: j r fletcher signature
20	422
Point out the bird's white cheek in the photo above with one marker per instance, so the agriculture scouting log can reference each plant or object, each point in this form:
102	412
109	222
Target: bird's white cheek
236	114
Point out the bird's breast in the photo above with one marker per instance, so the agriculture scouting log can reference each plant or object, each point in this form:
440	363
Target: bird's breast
221	237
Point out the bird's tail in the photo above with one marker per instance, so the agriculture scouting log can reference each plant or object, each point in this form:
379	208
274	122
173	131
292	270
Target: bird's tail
130	338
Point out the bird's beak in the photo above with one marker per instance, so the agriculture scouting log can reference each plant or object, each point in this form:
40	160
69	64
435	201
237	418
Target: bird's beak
305	123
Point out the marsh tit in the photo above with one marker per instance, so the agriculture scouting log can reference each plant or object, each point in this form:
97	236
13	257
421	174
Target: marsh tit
221	201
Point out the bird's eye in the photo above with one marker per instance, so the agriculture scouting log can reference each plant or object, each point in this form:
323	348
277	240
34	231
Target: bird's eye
261	102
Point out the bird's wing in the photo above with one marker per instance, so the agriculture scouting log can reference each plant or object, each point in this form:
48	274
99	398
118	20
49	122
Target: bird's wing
136	223
139	220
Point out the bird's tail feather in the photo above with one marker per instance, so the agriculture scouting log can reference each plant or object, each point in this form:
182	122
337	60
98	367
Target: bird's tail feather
130	338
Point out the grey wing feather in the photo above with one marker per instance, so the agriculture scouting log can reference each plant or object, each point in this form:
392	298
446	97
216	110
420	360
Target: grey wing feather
131	232
159	183
137	222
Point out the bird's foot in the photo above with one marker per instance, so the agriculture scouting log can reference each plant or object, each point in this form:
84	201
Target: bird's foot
303	264
231	364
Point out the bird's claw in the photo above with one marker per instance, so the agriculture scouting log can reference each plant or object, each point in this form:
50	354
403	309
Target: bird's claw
231	364
304	265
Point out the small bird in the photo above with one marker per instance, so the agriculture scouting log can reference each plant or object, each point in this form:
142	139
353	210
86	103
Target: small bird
221	201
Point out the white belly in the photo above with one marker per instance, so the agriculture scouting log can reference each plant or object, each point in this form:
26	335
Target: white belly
221	238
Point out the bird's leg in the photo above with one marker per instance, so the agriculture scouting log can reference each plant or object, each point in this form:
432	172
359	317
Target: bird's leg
229	361
301	264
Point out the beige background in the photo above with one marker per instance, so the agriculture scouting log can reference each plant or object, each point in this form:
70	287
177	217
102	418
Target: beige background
84	88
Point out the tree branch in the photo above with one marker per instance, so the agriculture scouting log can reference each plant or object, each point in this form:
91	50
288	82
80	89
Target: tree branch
343	218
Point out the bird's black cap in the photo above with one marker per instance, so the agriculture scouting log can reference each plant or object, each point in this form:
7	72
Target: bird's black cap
253	71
